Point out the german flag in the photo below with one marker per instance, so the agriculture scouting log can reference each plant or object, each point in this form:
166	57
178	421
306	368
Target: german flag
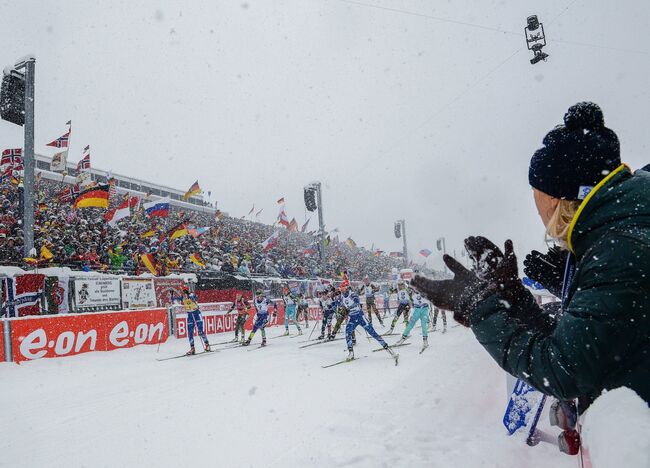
149	262
149	233
196	259
46	254
194	190
177	231
93	197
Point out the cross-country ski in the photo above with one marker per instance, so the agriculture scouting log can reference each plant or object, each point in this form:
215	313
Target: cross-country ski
202	353
321	342
391	346
344	361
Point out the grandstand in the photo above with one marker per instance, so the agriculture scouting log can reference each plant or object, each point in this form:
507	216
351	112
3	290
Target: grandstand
125	184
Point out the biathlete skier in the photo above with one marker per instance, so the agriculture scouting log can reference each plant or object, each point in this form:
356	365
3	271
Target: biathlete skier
262	306
303	308
368	289
404	299
435	319
351	302
194	318
242	307
386	296
342	314
421	313
330	304
289	311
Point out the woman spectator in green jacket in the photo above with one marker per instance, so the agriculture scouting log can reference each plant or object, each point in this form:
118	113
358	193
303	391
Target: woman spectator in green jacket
598	210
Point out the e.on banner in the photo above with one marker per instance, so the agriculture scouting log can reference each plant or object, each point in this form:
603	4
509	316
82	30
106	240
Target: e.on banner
67	335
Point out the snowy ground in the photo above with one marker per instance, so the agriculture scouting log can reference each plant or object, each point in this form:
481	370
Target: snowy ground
273	407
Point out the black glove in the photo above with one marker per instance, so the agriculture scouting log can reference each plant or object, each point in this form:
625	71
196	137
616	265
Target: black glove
547	269
497	268
460	295
485	256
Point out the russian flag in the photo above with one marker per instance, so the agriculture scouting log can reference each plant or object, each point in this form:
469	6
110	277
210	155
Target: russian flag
271	242
425	252
157	208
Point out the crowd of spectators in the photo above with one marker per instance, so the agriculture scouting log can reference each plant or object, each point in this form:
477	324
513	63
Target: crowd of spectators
83	239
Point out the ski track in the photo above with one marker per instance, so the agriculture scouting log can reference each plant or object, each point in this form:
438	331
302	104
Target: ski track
276	407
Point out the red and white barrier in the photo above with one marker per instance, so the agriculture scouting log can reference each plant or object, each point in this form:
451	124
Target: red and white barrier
66	335
53	336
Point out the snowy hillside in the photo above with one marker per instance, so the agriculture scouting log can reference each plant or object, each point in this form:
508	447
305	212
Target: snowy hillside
273	407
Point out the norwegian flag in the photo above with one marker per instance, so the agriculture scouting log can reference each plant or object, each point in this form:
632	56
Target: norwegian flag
68	193
13	158
61	142
84	164
21	295
7	173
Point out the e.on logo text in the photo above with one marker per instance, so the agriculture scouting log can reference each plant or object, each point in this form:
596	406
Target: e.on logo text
36	344
120	336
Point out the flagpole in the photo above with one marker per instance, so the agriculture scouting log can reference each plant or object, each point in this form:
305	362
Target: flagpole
67	153
321	224
406	255
444	251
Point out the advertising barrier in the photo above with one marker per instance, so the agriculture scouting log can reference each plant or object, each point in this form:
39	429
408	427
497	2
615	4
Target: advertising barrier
67	335
138	293
52	336
94	293
162	287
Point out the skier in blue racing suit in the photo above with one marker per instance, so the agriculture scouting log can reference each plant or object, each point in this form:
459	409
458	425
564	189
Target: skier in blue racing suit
262	305
350	300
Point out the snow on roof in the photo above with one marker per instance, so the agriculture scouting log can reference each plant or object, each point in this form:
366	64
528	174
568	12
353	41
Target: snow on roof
11	271
25	58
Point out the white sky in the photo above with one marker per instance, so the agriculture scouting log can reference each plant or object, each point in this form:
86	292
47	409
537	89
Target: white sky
398	113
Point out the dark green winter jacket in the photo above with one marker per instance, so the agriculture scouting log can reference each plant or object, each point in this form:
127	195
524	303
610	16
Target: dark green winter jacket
602	339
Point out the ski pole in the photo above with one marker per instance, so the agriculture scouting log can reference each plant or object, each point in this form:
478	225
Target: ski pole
312	332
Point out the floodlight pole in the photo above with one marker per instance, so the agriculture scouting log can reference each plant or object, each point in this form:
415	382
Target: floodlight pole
321	224
404	248
29	64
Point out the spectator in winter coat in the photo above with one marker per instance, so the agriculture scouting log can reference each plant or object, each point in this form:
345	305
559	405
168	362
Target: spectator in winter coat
599	211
